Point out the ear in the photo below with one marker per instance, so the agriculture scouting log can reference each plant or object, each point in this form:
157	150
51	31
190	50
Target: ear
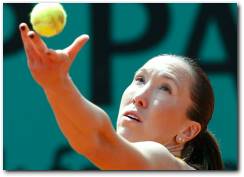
190	131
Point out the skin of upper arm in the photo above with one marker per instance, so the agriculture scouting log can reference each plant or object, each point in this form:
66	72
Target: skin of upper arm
113	152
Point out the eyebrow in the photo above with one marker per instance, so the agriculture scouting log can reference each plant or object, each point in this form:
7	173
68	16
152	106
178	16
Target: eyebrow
172	78
140	70
164	76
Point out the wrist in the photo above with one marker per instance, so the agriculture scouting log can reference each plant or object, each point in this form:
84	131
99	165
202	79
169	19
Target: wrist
59	86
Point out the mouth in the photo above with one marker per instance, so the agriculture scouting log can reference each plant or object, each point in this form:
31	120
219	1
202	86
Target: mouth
133	116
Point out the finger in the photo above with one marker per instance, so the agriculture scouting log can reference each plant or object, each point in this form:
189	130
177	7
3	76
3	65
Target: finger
75	47
31	61
24	29
28	46
39	44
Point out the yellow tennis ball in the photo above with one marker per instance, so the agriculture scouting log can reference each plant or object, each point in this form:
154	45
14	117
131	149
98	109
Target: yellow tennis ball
48	19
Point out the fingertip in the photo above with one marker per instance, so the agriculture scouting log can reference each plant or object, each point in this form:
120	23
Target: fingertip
86	36
31	34
22	26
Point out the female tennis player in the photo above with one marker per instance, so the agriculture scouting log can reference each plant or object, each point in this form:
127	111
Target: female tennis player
162	121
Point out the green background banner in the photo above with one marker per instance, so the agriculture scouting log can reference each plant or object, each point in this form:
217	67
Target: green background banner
122	38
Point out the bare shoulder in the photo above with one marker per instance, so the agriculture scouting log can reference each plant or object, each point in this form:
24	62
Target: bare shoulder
159	156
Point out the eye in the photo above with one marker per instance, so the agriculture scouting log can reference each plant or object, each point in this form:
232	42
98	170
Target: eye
166	88
139	79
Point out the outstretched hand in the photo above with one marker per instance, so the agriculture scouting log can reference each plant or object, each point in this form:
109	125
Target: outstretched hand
49	67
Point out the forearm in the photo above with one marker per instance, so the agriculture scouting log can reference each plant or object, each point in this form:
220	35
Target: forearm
80	120
70	130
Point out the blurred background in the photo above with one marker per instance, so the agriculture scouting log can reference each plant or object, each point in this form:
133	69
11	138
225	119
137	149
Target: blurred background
122	38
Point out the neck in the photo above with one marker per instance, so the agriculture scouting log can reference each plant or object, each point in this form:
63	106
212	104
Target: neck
175	149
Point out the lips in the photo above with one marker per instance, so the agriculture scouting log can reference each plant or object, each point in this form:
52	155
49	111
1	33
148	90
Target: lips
133	115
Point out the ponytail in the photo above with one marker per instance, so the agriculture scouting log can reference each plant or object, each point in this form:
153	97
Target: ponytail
203	152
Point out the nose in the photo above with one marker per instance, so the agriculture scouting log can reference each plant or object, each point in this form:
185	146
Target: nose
141	97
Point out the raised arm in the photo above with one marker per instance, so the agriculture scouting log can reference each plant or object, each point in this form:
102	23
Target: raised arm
87	127
78	118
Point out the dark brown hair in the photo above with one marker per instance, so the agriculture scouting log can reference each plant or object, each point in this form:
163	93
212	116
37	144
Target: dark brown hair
202	152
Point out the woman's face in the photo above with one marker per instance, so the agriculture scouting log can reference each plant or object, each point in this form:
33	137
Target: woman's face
153	107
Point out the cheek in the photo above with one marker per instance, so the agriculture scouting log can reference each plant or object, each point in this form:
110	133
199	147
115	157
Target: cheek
166	117
164	107
125	97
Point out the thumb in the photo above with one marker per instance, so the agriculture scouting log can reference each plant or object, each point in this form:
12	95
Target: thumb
75	47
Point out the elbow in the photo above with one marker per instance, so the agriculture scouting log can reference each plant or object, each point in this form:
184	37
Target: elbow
83	146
